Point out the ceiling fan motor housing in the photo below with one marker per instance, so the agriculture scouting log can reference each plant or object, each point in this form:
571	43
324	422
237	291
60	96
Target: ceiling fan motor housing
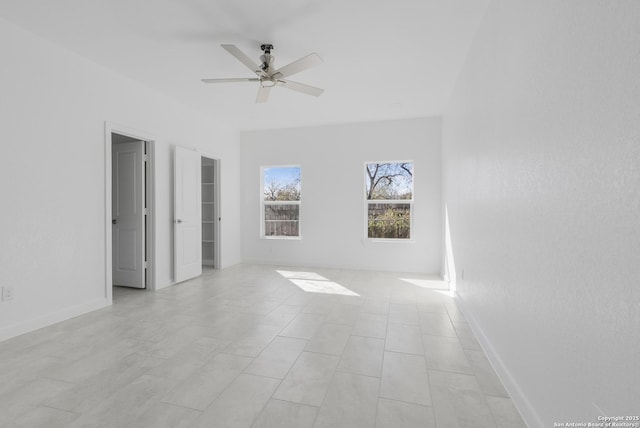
267	60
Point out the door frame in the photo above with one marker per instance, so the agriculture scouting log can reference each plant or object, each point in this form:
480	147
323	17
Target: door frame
217	209
150	237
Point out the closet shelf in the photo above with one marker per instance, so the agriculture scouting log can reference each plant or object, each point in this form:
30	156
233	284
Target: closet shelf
209	216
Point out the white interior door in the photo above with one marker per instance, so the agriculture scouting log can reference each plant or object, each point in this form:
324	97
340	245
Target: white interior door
188	214
128	214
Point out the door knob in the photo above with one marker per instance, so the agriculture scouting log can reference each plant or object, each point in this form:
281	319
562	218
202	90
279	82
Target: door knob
178	221
114	221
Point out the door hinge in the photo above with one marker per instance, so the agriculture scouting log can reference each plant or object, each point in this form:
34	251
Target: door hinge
146	211
146	158
146	264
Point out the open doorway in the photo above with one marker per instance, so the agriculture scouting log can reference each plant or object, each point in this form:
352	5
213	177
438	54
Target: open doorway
129	232
210	213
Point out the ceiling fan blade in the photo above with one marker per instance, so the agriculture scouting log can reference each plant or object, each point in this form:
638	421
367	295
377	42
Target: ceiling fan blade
263	94
242	57
301	87
232	79
297	66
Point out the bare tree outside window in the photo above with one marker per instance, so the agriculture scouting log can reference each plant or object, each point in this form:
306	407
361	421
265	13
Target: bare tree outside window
389	194
281	201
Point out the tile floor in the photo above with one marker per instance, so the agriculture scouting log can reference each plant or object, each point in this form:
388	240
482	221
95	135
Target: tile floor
259	346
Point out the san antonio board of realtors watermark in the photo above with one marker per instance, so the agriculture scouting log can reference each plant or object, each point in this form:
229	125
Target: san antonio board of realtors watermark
605	422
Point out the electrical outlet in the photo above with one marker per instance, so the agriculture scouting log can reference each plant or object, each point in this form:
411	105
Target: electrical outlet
7	293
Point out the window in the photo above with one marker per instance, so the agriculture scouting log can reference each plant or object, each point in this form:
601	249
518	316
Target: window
281	202
389	199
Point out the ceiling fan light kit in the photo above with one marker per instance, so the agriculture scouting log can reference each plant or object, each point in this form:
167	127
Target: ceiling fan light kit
269	77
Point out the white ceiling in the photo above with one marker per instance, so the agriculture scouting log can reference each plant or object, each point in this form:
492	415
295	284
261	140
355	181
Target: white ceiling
382	59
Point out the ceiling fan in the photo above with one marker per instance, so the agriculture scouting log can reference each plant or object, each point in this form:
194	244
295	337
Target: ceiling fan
270	77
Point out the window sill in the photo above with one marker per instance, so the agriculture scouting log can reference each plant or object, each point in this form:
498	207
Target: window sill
394	241
282	238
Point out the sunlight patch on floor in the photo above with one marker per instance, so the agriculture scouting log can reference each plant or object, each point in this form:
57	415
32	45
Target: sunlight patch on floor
302	275
312	282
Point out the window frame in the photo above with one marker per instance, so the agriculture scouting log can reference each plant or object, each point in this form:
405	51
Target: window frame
411	203
264	202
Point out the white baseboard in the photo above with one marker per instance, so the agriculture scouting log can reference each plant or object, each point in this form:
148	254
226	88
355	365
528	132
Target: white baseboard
52	318
341	266
520	400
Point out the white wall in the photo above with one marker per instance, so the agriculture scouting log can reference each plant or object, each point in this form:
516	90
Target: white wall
332	160
541	154
53	109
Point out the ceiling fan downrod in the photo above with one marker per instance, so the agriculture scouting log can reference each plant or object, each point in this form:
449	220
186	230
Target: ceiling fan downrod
266	58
